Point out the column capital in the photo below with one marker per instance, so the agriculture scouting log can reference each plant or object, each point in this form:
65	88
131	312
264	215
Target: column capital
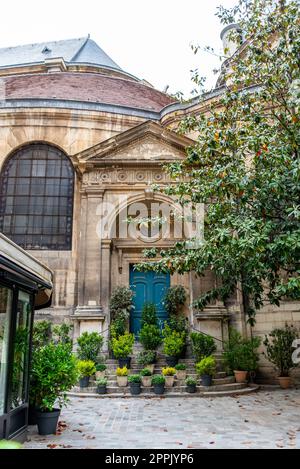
93	192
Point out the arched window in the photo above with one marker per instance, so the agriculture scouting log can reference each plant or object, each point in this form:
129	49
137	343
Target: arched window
36	198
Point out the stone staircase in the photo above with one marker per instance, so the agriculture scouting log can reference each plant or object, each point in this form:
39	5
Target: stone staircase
223	385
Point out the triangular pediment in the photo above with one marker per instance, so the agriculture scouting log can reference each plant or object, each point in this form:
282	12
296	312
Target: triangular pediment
148	142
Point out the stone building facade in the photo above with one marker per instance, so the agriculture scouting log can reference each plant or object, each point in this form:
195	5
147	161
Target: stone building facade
81	143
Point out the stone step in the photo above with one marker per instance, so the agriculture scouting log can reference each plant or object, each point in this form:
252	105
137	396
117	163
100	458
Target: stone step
178	387
112	373
147	393
177	382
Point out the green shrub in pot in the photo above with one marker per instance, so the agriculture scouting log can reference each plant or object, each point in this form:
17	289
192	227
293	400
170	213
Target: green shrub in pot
146	376
174	343
135	384
158	382
101	384
89	345
122	348
150	336
54	372
180	370
206	368
279	351
202	345
191	384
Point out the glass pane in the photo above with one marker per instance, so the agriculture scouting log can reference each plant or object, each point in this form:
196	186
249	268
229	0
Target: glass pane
5	314
21	350
36	184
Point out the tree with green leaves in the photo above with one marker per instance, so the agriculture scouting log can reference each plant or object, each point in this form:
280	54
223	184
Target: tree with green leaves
245	166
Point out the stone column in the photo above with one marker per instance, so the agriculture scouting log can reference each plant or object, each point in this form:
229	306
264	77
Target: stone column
89	312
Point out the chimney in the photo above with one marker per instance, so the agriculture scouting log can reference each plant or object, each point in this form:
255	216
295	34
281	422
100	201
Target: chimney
230	45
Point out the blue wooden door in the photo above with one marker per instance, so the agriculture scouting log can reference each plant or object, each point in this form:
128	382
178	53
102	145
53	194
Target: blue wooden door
148	287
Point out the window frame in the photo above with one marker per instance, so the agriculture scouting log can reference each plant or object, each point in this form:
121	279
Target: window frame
54	181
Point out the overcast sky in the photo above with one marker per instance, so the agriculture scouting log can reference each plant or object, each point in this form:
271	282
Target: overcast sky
150	39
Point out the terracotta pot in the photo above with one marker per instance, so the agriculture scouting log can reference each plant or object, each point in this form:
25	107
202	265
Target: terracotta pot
181	374
122	381
146	381
240	376
284	381
169	381
150	367
100	374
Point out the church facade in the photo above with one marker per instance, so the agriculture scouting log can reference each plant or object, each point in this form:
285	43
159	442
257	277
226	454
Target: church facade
81	144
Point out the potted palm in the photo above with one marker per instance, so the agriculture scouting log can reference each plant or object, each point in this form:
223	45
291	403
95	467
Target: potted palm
86	369
147	359
158	383
279	351
101	385
169	374
122	348
100	370
206	368
190	383
122	376
53	373
135	384
146	377
180	370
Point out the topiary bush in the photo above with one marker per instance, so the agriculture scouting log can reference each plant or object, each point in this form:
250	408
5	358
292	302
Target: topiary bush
89	345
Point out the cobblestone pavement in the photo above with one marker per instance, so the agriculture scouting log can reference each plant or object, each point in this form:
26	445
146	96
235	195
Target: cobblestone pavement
267	419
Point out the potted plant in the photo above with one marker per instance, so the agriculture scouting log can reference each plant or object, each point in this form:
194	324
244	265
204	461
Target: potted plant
86	369
122	376
180	370
146	377
147	359
135	384
150	336
89	345
240	355
169	374
158	383
100	370
202	345
206	368
279	351
53	373
101	385
122	348
174	343
190	383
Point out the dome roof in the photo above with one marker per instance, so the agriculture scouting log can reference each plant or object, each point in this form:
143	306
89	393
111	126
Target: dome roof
85	87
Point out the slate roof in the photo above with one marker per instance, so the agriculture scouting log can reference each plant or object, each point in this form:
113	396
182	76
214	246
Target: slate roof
81	50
